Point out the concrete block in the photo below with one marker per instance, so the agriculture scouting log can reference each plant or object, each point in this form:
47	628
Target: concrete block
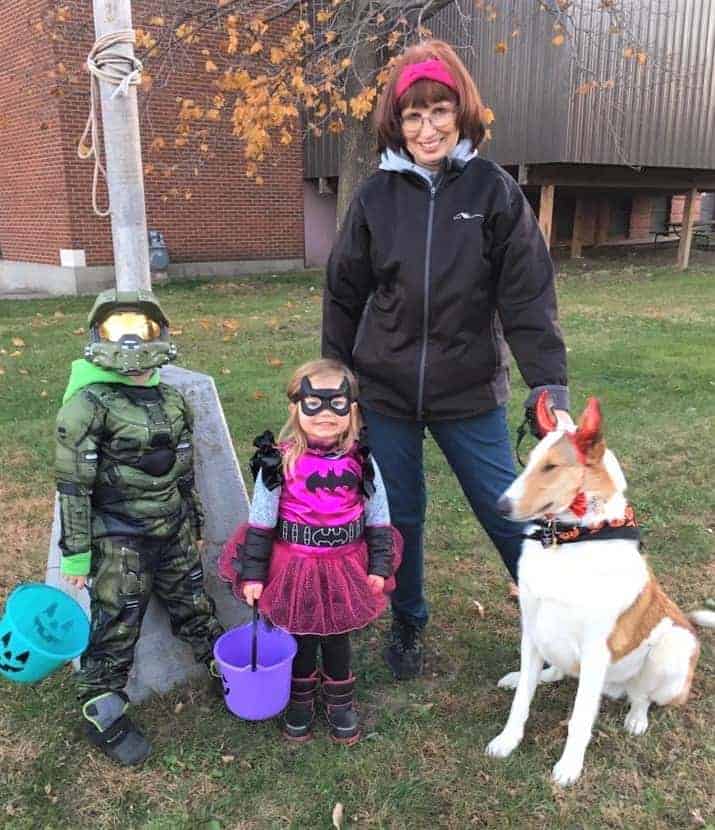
161	661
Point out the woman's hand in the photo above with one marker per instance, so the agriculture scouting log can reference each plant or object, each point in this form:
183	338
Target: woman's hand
252	592
77	582
376	583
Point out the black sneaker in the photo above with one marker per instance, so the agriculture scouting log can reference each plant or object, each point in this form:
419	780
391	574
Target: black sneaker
404	652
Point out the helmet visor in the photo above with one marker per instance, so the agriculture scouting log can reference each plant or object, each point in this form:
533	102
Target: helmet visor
121	323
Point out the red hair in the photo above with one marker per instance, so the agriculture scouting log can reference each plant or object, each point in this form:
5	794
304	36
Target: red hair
471	120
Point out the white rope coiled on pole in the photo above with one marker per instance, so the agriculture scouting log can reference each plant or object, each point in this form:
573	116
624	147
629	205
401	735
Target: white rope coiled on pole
113	67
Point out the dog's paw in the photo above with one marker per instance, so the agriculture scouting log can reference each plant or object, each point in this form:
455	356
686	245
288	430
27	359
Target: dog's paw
636	721
566	771
509	681
503	745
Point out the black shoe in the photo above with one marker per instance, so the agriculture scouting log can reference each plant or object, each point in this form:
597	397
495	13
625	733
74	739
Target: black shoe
404	652
111	731
342	717
217	686
300	714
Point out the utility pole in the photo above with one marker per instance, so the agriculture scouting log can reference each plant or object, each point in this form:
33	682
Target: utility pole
122	143
160	660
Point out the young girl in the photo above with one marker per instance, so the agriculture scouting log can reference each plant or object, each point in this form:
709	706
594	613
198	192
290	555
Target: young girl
318	550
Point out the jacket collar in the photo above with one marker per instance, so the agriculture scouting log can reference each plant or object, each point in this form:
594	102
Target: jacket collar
400	162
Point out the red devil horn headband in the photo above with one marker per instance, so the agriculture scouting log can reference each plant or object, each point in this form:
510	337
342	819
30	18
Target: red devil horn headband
589	428
545	418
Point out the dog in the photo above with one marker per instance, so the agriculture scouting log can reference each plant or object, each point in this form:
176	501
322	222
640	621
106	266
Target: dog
590	605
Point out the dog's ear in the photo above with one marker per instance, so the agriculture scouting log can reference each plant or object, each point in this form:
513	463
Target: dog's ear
545	418
588	438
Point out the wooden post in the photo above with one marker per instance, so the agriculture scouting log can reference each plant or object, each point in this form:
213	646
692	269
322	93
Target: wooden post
686	233
122	146
579	223
546	212
603	220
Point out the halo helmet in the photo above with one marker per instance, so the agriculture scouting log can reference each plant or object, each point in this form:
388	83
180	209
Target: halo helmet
128	332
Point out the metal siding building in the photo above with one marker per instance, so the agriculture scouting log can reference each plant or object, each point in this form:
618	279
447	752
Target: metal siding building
541	120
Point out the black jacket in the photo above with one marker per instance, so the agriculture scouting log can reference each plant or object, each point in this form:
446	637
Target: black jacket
423	284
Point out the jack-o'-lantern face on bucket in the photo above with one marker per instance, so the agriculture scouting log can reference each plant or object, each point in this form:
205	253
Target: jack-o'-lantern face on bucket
10	662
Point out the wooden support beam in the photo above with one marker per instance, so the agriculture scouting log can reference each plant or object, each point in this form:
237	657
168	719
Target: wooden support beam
579	229
546	212
686	232
604	176
603	221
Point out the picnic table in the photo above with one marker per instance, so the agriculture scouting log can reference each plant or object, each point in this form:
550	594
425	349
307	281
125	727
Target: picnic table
703	233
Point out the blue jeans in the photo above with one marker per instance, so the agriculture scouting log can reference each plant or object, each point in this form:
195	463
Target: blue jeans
479	452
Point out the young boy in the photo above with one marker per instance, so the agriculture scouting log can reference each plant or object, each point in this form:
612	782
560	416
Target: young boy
130	514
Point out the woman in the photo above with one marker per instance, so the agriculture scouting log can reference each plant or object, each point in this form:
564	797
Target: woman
439	264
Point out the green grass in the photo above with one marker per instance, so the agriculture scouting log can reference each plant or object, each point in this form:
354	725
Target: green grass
640	338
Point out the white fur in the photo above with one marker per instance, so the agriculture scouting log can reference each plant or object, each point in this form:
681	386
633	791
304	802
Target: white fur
571	597
706	619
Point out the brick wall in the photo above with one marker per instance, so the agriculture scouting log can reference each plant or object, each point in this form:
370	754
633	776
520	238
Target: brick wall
216	215
35	219
678	204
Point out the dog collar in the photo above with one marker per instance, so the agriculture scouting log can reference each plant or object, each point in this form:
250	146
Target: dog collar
554	533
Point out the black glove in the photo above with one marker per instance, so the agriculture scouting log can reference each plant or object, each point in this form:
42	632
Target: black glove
379	550
255	557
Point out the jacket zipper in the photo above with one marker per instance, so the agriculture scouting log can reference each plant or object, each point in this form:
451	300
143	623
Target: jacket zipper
425	305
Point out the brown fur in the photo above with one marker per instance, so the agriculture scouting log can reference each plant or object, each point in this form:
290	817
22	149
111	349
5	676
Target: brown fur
597	481
568	477
635	624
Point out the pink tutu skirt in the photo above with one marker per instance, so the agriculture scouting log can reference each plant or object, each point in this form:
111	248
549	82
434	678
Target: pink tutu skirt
319	592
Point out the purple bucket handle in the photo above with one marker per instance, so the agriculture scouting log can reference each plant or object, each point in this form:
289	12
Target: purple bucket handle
254	636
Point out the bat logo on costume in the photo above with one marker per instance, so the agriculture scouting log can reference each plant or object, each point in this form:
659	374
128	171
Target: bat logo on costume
330	481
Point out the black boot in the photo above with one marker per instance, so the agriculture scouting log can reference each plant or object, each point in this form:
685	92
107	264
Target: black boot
342	718
300	714
109	729
404	652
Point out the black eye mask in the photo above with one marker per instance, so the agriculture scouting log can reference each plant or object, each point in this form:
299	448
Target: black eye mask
325	396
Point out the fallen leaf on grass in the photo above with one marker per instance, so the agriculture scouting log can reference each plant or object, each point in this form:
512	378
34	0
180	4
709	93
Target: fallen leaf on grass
230	325
479	608
338	816
15	354
228	759
698	819
2	371
275	361
258	395
179	706
58	313
176	332
23	371
80	330
43	394
225	371
18	341
205	324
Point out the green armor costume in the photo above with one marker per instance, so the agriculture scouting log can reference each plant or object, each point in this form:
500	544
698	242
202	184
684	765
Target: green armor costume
130	514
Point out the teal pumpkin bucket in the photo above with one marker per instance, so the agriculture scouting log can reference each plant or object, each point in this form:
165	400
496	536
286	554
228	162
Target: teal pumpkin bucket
42	629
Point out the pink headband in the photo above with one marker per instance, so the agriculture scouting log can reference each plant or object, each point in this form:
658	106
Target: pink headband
431	70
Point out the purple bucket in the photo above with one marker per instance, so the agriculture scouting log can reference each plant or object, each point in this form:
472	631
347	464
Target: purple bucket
263	693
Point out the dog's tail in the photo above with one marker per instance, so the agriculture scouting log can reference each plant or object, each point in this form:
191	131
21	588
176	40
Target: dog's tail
703	618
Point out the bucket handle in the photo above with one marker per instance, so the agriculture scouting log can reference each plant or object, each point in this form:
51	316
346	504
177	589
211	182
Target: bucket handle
254	636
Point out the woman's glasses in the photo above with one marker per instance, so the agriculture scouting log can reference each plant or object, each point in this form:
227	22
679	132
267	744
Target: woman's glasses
440	117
